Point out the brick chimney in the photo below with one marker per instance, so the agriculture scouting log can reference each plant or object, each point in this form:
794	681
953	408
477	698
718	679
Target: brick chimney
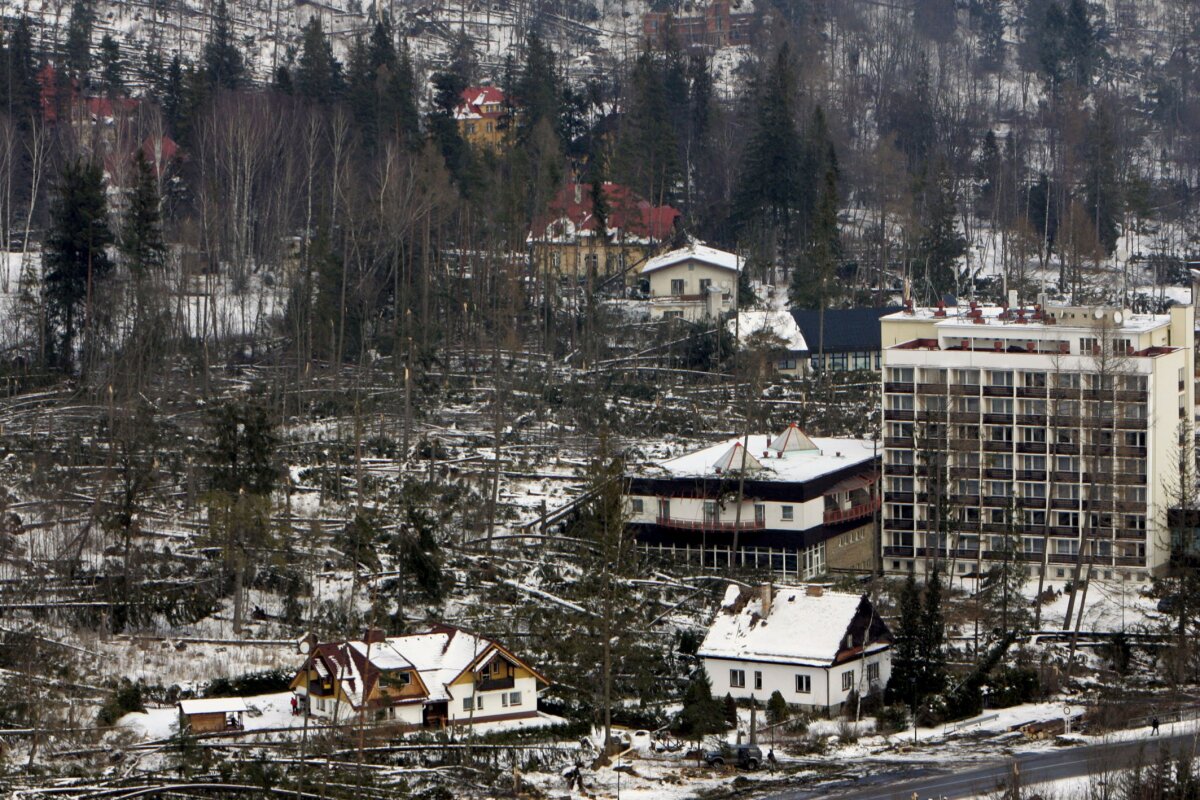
765	592
374	635
814	591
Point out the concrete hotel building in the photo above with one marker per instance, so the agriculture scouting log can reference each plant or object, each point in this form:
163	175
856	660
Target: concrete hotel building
1044	434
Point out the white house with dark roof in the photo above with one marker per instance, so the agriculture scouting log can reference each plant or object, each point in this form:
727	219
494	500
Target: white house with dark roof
445	676
818	648
808	505
692	283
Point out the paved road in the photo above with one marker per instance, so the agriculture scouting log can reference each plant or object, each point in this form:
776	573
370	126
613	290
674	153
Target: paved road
950	783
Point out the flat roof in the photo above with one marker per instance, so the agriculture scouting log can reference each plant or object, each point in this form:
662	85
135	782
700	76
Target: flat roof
1022	321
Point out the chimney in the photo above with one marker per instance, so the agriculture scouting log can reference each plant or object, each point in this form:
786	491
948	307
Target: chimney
578	194
374	635
764	594
814	591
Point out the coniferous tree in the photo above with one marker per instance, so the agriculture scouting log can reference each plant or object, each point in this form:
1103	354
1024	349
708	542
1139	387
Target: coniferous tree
75	257
931	651
448	89
173	100
941	245
1101	188
142	242
19	94
814	280
224	66
538	90
77	49
905	682
771	187
991	35
648	155
318	73
112	71
154	73
1079	43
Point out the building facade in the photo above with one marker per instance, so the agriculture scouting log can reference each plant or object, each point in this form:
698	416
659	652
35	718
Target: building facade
570	240
1048	435
443	677
818	648
842	339
692	283
482	117
808	505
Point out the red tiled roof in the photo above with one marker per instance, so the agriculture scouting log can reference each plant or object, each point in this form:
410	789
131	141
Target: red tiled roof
627	213
474	98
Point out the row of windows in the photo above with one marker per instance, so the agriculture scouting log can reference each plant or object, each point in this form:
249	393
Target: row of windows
1029	545
1007	406
1029	490
1030	517
712	511
475	702
1007	377
737	679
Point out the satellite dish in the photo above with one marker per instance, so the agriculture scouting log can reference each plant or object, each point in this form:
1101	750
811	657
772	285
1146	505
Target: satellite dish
1098	314
305	646
1118	317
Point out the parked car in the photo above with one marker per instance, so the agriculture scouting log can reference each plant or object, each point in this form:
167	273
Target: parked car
746	756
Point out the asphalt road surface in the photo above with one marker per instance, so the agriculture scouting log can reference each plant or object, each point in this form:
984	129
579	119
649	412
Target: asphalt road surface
938	782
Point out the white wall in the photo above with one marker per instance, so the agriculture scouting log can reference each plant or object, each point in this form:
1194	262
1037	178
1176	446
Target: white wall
493	702
805	515
826	682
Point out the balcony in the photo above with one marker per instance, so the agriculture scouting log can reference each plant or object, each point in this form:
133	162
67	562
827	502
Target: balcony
990	418
1031	391
711	525
1031	447
997	391
835	515
1038	420
997	446
892	497
897	388
490	684
898	524
898	550
903	414
898	469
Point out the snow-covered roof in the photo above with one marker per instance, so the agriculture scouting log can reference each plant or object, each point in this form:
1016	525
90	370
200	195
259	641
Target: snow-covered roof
737	458
213	705
438	656
776	322
801	626
695	251
793	466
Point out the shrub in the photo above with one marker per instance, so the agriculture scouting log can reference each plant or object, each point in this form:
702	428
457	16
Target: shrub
125	698
265	682
777	708
892	718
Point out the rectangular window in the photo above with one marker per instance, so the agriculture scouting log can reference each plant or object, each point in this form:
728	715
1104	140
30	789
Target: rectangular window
514	698
664	509
677	286
468	703
711	513
1032	546
760	513
1066	547
900	374
967	377
757	680
637	505
873	672
847	680
786	513
803	684
1000	377
737	679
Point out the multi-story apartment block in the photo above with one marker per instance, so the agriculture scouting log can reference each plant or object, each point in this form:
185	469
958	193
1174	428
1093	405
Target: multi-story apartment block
1048	436
807	505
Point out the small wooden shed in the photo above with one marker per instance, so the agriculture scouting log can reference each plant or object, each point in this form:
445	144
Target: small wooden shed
212	714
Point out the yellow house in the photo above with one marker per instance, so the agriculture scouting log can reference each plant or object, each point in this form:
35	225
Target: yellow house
571	240
483	116
442	677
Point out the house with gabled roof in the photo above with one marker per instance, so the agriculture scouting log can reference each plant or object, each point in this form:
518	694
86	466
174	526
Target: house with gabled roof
692	283
444	676
818	648
482	116
574	238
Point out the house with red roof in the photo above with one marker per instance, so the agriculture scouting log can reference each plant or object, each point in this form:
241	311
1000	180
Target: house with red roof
571	238
482	116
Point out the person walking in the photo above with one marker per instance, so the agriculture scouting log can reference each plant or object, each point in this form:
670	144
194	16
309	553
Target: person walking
295	706
1154	726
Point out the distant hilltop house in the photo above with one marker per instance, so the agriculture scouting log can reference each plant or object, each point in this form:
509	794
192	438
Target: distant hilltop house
818	648
712	25
692	283
777	328
808	505
843	339
482	116
439	678
569	239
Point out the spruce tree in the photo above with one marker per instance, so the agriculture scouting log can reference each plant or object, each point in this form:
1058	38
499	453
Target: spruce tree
75	256
538	91
1079	43
223	63
931	652
77	50
771	189
173	100
19	94
318	73
991	35
814	280
941	245
905	682
112	71
1102	196
142	244
448	89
